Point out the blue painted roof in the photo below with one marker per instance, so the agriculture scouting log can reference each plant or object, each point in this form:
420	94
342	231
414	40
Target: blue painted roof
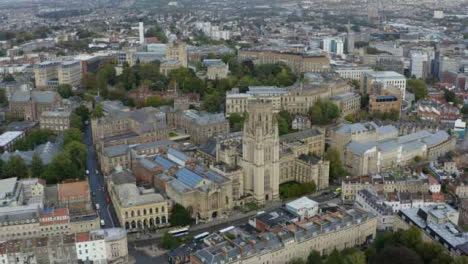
179	186
209	174
177	154
167	164
188	177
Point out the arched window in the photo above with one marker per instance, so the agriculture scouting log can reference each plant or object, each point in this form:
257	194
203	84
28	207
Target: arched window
144	211
162	209
133	213
151	211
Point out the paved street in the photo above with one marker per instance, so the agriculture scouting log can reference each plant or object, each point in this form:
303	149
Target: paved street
96	182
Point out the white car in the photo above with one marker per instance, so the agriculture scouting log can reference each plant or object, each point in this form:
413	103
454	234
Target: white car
97	172
102	222
87	172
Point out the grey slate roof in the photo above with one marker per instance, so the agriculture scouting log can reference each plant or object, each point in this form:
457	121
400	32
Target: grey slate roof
360	148
115	151
300	135
20	96
44	97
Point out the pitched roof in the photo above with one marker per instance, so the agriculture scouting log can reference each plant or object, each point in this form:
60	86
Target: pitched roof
188	177
44	96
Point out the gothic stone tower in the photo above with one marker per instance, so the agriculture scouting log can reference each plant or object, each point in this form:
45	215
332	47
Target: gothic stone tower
260	152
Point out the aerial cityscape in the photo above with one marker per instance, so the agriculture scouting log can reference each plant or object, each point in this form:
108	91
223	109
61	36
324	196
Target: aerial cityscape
234	132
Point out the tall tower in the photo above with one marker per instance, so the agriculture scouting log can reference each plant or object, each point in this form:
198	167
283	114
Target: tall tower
141	31
260	152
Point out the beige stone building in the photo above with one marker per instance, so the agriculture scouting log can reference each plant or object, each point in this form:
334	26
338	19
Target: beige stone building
242	157
387	183
367	148
260	152
295	100
57	120
283	239
49	74
30	105
177	52
348	103
216	69
385	100
114	156
126	128
298	63
201	125
137	208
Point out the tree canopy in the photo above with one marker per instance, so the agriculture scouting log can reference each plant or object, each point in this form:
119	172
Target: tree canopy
336	168
35	138
323	113
65	90
418	88
180	216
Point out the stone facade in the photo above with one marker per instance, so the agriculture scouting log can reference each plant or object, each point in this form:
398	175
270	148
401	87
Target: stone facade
260	152
296	100
348	103
201	125
30	105
298	63
49	74
177	52
137	208
56	121
139	126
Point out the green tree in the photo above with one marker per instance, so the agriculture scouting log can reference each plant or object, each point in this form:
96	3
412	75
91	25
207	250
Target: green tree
154	101
464	110
418	88
180	216
83	112
322	113
213	101
37	167
316	115
65	90
15	167
314	258
97	112
335	258
72	134
35	138
236	121
62	168
397	255
3	98
364	100
283	126
77	153
350	118
336	168
8	78
357	257
169	241
460	260
76	122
